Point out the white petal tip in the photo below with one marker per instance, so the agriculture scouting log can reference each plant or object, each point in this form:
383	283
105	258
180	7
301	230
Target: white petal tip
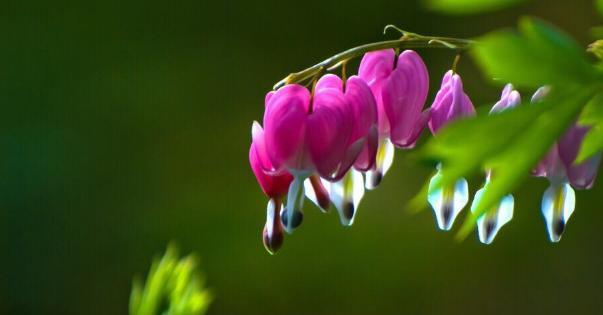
373	179
447	202
558	203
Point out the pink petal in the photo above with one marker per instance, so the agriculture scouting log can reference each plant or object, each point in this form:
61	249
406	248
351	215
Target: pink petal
366	159
375	68
328	131
508	99
461	105
419	125
350	156
362	105
444	88
450	103
570	143
551	165
285	124
329	81
439	114
580	175
273	186
404	96
268	97
257	136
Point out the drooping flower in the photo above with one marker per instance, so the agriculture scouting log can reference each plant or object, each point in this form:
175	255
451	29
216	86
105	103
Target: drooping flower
400	87
347	192
564	175
325	134
450	103
274	185
490	222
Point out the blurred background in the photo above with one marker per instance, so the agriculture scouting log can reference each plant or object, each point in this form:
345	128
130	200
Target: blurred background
126	124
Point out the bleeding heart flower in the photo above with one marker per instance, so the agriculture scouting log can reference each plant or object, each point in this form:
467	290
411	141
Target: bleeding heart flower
345	193
564	175
273	184
400	87
490	222
450	103
325	134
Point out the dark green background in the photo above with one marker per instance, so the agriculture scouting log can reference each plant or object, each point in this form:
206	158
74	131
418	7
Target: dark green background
125	125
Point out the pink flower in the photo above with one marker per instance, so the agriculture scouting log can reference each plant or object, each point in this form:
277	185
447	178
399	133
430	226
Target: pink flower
400	88
326	133
274	185
559	167
490	222
558	201
450	103
508	99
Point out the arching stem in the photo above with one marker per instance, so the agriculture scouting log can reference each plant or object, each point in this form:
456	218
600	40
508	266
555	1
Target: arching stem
409	40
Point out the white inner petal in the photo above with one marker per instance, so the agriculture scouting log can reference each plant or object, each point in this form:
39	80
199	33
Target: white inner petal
295	200
346	195
383	161
270	212
388	155
447	202
558	203
489	223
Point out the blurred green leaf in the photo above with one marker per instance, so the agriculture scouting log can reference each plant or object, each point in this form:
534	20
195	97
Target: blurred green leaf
509	144
596	48
538	54
173	284
592	116
599	5
469	6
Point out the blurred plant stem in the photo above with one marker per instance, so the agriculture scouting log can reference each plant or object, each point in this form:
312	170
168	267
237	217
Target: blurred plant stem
173	287
408	40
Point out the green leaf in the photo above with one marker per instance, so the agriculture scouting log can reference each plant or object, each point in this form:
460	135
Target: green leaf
135	296
469	6
537	54
599	5
172	283
509	144
596	48
592	116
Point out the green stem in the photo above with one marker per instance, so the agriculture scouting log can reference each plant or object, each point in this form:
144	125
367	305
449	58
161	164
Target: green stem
409	40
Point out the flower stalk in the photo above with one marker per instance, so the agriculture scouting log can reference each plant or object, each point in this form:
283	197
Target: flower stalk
407	41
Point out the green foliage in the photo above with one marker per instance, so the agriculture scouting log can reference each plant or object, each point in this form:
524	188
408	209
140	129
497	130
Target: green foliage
469	6
596	48
173	287
511	143
592	116
537	55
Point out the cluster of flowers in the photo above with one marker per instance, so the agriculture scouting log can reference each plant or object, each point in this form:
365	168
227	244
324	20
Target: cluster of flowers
332	142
